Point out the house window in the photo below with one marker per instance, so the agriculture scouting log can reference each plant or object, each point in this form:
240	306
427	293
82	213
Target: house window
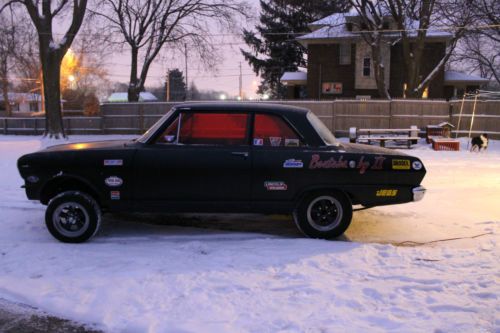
425	94
344	54
385	25
367	64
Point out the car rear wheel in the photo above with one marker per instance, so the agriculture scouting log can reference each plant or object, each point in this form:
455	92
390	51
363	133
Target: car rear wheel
73	217
323	214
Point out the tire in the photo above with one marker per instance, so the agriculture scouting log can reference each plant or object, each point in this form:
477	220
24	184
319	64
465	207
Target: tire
323	214
73	217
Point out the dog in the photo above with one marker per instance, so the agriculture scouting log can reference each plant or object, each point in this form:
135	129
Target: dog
479	142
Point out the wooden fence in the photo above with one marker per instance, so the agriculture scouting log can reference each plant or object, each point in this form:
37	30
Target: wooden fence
339	115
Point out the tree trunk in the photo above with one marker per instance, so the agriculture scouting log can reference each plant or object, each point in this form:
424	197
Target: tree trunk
5	87
133	88
51	81
5	93
379	70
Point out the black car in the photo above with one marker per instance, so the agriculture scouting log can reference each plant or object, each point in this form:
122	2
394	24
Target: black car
220	157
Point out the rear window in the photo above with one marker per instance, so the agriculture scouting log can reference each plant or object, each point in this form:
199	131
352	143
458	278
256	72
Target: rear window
322	130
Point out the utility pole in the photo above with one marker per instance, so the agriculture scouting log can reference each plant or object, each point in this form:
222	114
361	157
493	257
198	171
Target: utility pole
186	59
241	84
167	86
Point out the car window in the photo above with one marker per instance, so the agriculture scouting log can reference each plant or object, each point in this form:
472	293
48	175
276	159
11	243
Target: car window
322	130
197	128
169	135
272	130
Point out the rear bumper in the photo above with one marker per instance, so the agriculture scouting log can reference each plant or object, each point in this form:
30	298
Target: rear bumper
418	193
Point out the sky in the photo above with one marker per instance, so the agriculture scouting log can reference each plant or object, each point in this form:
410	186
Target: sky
224	77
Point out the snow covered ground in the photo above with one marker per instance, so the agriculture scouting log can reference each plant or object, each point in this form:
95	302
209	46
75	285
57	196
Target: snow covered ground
137	277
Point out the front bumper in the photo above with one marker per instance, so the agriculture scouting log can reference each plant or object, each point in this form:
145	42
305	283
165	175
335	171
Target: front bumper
418	193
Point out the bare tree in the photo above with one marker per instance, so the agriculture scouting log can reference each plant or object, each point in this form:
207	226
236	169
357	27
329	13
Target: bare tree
415	20
371	27
479	50
44	15
7	44
149	25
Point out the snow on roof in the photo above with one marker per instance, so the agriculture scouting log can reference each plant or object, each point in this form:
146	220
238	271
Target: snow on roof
144	96
334	26
294	76
452	76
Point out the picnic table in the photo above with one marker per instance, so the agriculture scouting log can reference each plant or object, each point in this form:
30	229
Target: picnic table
407	136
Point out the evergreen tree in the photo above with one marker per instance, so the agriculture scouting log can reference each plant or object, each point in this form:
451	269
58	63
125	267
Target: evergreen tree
273	46
177	85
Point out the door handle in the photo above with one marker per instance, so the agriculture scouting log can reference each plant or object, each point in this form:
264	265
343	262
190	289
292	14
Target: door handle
244	154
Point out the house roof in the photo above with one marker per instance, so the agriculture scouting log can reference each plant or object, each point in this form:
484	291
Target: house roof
22	97
333	27
457	77
294	77
144	96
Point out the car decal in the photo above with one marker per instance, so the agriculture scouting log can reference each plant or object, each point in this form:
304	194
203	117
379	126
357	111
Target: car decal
113	181
292	142
113	162
275	186
293	164
258	142
275	141
114	195
386	193
417	165
363	163
401	164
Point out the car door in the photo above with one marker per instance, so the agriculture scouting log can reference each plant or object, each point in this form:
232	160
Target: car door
278	159
201	159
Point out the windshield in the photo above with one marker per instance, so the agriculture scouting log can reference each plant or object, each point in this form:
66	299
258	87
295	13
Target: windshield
322	130
145	137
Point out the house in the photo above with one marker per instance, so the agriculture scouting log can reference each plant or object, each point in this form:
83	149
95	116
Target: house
340	63
122	97
22	102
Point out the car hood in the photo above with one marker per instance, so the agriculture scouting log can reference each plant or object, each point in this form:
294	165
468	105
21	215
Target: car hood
356	148
108	144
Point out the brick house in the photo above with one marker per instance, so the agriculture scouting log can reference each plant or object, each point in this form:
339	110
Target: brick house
340	63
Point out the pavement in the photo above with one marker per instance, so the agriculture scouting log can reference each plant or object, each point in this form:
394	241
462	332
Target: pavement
21	318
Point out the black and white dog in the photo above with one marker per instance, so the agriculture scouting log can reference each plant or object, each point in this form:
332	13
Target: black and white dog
479	142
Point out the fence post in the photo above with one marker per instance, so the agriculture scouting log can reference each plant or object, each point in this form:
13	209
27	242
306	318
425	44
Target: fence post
102	125
390	113
141	119
5	126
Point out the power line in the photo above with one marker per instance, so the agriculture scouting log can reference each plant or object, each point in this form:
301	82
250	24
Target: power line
433	29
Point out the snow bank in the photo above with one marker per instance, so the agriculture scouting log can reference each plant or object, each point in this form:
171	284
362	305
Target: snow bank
148	278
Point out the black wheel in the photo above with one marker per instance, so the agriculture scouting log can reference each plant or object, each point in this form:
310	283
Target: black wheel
73	217
323	214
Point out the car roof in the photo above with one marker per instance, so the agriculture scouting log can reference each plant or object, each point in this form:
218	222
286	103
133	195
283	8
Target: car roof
243	106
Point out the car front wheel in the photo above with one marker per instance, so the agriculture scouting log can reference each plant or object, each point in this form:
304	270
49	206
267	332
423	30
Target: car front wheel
73	217
323	214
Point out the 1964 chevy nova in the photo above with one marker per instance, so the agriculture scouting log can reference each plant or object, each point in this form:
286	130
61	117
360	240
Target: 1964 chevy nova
220	157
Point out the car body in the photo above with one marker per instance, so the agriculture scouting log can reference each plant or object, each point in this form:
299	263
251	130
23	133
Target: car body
223	157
